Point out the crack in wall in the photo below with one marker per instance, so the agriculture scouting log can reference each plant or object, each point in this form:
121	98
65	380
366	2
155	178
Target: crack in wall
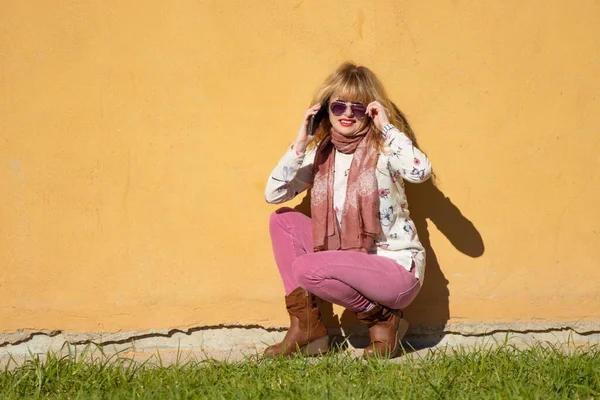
24	337
523	331
482	330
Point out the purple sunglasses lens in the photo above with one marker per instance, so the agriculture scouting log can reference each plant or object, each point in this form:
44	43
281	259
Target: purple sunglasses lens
358	110
338	108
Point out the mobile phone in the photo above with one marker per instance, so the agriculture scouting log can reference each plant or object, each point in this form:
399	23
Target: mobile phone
316	119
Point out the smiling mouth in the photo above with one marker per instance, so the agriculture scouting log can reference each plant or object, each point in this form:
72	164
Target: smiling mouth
346	122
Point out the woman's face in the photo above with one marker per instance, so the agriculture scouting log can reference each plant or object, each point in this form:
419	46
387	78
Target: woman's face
347	123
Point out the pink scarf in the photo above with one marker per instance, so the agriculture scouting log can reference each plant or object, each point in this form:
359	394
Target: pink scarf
360	221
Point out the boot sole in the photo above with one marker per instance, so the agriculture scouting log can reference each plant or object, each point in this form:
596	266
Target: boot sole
316	347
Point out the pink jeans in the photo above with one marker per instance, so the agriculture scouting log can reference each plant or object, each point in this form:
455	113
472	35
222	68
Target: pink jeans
348	278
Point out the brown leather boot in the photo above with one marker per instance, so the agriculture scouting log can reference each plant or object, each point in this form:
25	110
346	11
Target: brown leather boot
307	333
386	329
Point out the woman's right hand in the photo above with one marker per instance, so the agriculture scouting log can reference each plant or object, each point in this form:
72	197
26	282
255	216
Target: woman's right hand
304	139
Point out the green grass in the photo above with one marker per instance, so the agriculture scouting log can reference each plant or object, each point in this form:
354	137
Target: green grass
499	372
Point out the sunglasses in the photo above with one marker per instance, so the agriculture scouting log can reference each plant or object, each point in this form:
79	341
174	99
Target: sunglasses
339	107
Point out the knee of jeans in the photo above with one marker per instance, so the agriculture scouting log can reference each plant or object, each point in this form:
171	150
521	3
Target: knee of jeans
277	216
407	297
303	271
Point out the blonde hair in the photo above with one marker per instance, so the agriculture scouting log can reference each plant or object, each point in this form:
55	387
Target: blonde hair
359	84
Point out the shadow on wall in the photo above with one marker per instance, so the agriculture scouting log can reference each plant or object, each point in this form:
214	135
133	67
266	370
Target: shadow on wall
430	311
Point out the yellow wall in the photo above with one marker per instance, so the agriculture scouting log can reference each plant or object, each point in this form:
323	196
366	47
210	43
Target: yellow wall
136	138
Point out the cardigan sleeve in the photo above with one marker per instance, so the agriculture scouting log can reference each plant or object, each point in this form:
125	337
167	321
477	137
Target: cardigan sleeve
291	176
406	160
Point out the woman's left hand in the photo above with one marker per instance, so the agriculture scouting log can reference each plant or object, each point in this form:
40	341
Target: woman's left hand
378	113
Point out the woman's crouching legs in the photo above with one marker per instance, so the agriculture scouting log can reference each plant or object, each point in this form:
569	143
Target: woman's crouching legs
291	237
372	286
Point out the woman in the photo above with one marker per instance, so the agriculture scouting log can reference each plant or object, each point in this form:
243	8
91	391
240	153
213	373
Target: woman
360	249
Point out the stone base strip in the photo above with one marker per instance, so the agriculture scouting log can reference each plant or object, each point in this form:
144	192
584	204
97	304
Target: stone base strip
253	339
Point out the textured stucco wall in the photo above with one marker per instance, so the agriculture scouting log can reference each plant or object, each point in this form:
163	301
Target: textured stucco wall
136	138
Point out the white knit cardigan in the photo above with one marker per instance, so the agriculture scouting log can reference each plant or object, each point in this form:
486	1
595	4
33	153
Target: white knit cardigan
399	161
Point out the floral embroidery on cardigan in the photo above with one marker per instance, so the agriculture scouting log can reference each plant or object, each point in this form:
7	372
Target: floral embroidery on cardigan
384	193
386	216
419	172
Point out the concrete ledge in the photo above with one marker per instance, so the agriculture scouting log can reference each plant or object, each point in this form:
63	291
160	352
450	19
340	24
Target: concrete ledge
236	341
